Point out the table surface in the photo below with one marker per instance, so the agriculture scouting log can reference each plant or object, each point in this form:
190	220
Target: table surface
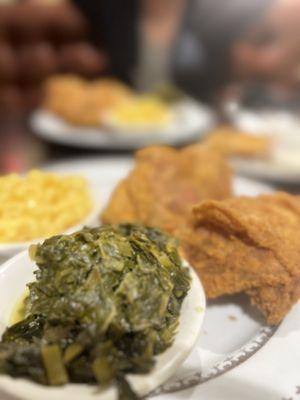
21	150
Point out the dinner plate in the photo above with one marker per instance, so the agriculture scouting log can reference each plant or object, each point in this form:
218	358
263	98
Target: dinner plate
18	271
269	170
9	249
233	330
191	120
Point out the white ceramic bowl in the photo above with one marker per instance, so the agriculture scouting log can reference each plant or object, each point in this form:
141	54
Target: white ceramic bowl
18	271
8	250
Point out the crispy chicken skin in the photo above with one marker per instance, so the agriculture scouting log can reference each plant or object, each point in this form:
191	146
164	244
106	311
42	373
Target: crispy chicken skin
248	244
165	183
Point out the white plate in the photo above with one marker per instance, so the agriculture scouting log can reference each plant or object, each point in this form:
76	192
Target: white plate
191	121
283	164
233	330
10	249
267	170
17	272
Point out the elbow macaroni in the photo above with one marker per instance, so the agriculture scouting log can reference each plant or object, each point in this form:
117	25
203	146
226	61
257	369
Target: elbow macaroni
40	205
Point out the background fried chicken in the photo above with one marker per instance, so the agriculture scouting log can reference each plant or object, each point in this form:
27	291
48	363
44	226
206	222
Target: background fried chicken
165	183
233	143
82	102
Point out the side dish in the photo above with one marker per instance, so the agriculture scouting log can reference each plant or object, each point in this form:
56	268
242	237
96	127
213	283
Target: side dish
139	114
41	204
105	302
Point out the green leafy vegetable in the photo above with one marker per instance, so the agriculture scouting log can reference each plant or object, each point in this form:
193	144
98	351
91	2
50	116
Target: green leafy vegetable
54	366
104	303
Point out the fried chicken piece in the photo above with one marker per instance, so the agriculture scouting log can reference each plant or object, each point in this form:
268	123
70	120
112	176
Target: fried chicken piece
57	85
248	245
64	95
165	183
103	94
233	143
120	207
81	102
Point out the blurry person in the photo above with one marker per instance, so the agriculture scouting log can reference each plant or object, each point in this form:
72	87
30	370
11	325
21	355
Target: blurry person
205	46
237	41
137	34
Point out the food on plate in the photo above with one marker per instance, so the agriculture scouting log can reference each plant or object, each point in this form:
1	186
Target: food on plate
234	143
101	96
165	183
41	204
249	245
142	112
82	102
169	93
63	95
105	302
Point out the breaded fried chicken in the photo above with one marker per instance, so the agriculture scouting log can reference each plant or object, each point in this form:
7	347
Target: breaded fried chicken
165	183
248	245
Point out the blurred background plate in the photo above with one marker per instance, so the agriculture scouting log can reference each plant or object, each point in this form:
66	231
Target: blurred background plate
268	170
282	127
191	121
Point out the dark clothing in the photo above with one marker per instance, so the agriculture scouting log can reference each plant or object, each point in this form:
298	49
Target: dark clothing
114	27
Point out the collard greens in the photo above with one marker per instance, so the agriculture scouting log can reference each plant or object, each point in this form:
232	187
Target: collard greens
105	302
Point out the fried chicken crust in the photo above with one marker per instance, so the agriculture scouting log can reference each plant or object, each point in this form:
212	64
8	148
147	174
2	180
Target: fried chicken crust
248	245
165	183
